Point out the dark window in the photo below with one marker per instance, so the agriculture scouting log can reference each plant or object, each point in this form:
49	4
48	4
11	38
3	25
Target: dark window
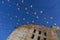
34	30
32	36
45	33
44	38
38	38
39	32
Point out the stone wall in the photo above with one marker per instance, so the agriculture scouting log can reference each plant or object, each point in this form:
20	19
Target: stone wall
34	32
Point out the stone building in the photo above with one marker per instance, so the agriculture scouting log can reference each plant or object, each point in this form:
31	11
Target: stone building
33	32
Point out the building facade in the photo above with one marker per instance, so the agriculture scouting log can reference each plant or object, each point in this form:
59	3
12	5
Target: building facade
33	32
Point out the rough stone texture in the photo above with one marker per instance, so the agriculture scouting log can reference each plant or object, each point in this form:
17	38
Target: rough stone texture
58	34
26	32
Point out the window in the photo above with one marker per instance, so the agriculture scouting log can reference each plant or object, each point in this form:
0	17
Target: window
34	30
38	38
44	33
39	32
32	36
44	38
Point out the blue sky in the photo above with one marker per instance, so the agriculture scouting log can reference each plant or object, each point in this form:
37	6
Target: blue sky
14	13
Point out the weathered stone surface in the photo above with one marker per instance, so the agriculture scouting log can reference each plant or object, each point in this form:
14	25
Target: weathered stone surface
33	32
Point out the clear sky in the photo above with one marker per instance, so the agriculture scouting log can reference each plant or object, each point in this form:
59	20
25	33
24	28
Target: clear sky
14	13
